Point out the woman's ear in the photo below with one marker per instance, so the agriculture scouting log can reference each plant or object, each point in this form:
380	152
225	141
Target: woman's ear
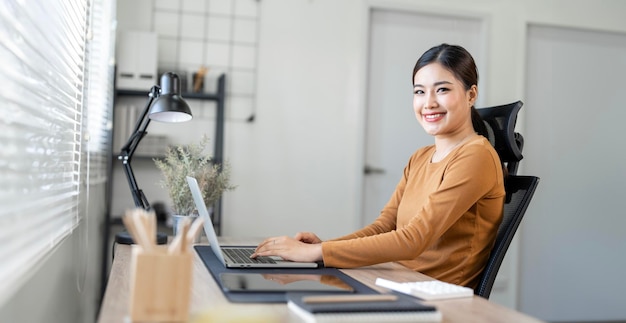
472	94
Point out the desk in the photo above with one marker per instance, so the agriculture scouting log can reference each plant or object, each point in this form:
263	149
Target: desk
206	294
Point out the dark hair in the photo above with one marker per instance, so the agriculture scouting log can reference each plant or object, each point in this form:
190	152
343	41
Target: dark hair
460	63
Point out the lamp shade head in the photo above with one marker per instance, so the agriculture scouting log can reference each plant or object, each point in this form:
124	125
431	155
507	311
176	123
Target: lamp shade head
170	106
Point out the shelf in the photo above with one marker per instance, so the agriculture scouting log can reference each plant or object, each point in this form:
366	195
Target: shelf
219	96
141	157
188	95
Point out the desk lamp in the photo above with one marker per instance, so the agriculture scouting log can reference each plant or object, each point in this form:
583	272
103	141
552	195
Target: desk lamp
165	105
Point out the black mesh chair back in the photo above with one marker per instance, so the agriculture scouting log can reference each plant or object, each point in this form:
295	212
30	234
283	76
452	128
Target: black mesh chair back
500	121
519	192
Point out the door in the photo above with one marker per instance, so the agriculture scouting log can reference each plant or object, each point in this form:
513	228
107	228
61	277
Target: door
574	116
396	40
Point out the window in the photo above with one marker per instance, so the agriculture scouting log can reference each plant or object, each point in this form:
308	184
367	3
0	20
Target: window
56	104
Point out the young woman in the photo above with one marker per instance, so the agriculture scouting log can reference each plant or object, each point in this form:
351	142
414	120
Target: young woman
444	214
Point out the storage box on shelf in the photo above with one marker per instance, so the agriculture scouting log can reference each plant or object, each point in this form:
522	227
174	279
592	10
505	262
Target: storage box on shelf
136	60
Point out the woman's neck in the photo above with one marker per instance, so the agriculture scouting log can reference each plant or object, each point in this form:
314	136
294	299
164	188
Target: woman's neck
444	145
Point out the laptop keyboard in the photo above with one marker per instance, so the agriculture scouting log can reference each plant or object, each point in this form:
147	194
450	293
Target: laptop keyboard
242	256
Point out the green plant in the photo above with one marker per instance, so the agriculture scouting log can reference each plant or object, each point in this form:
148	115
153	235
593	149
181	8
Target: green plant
191	160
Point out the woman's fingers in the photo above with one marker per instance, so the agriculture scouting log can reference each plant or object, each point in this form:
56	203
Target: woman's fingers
266	246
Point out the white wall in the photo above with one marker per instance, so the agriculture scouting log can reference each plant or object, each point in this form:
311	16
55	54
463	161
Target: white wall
302	154
298	165
66	286
297	162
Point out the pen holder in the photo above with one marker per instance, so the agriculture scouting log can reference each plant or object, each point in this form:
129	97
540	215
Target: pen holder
160	285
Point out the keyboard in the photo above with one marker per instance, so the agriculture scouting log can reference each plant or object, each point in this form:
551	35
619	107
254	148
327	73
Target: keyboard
242	256
428	290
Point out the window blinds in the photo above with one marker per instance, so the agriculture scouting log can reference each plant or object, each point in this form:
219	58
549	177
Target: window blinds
43	137
100	90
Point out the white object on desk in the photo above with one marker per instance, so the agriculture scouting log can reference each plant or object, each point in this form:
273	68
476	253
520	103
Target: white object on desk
427	290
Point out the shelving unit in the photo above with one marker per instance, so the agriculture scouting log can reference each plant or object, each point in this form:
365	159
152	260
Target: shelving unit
218	150
219	97
218	156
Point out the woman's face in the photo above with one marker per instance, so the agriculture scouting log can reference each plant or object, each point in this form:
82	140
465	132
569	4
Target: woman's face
441	104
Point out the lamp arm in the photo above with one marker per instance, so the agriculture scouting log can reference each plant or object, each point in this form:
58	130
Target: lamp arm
128	150
138	197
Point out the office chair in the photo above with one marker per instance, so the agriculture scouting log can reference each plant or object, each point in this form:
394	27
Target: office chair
500	121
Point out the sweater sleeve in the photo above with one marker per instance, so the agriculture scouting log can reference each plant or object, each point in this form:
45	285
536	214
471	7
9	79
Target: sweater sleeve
469	176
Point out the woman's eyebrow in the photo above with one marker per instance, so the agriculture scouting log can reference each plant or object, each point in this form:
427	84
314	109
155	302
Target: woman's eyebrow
436	84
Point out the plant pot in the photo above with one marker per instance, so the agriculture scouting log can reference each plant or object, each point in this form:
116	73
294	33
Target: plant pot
177	220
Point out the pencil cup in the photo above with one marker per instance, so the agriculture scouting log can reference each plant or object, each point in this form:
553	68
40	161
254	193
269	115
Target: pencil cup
160	285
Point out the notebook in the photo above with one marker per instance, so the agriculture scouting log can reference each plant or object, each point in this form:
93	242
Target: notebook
236	257
401	309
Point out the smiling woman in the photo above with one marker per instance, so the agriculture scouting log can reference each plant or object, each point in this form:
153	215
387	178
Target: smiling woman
56	96
443	217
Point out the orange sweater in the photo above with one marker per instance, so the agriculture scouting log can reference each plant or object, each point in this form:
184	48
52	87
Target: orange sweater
441	220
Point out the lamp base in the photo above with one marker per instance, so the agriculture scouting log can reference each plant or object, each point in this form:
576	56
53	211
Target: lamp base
124	237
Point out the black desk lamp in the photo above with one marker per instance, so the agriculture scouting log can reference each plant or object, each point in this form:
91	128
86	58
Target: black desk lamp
165	105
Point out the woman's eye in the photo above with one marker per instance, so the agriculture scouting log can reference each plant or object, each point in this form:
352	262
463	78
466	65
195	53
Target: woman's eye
418	92
442	89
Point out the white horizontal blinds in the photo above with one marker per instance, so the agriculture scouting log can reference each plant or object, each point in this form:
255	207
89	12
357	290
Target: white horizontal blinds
99	87
42	47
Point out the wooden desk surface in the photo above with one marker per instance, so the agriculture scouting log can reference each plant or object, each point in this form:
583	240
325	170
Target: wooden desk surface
208	300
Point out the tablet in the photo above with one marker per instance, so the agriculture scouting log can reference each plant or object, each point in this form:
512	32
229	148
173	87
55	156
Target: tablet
249	282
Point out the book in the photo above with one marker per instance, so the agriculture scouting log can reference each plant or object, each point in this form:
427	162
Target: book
360	308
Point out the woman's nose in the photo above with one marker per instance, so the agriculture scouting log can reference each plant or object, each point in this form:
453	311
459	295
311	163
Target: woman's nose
431	101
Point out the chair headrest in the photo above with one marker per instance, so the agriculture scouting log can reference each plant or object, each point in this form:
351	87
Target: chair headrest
500	121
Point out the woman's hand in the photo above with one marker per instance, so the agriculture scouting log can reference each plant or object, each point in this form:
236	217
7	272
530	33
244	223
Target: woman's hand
307	237
291	248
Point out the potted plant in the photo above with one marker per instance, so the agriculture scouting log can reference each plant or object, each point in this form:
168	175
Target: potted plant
191	160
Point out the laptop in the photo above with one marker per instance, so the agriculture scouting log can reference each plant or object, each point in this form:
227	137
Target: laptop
236	257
